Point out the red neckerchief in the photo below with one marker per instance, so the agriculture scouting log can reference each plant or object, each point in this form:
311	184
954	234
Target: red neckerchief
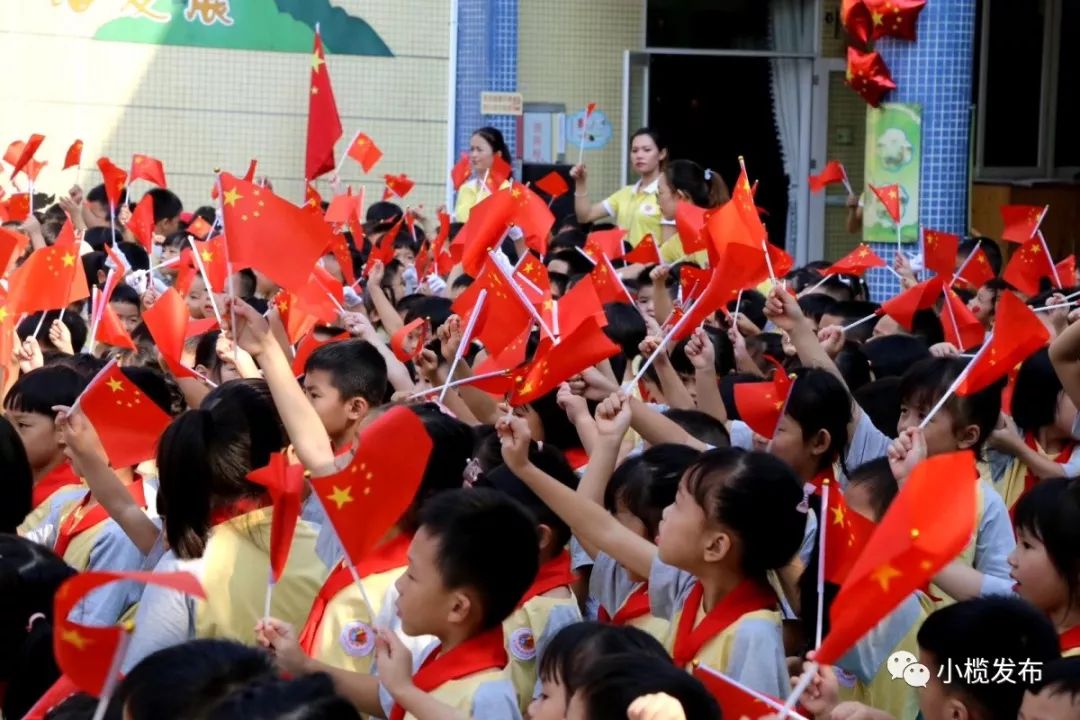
1031	480
60	476
635	606
1070	639
74	525
747	597
554	573
236	508
385	557
483	652
818	480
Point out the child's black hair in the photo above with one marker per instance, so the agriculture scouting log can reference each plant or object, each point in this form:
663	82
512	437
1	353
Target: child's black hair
462	281
928	380
576	647
17	479
815	305
701	426
1035	395
487	542
356	369
819	401
310	697
852	310
880	400
451	447
124	293
85	364
75	324
926	324
135	254
1059	677
877	478
1050	512
752	306
892	355
626	328
989	630
579	264
98	194
40	390
756	496
647	483
853	365
610	685
167	204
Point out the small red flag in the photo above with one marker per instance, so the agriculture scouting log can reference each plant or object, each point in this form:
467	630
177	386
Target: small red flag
978	271
690	225
367	498
580	303
340	248
74	155
609	286
846	534
26	155
341	209
499	173
296	321
895	18
114	179
141	223
735	700
961	327
908	547
554	363
889	195
461	172
14	151
868	75
856	262
144	167
743	198
1028	266
939	251
397	186
504	313
324	122
646	253
1018	333
167	322
321	296
127	422
761	404
312	199
607	243
692	282
12	245
285	483
833	173
33	168
553	185
902	307
199	228
1021	222
49	279
1066	270
364	151
18	207
490	220
110	331
589	110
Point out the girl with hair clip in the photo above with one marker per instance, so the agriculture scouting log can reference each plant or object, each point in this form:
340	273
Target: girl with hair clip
736	516
686	181
635	208
1037	441
217	525
484	145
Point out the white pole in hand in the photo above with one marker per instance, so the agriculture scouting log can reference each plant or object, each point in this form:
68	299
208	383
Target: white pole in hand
663	343
466	338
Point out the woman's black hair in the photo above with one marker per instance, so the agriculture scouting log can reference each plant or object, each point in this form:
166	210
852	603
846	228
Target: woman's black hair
1050	511
205	455
877	478
756	496
494	138
819	401
1035	395
647	483
576	647
29	577
610	685
704	188
310	697
927	381
17	479
626	328
653	135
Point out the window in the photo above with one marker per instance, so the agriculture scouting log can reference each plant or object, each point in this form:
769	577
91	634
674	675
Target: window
1025	90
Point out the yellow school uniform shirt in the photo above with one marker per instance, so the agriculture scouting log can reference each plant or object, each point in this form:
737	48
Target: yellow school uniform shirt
469	195
459	693
636	210
346	637
43	522
672	252
1011	483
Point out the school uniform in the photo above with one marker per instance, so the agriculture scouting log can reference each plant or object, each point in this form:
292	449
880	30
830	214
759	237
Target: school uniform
622	601
1017	479
536	620
234	570
636	210
862	673
61	476
471	678
469	194
51	498
741	636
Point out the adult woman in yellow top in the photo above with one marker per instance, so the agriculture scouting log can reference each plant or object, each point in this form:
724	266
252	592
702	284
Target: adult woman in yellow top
685	181
635	207
485	144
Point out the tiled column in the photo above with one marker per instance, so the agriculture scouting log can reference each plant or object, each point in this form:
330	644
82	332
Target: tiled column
486	62
935	72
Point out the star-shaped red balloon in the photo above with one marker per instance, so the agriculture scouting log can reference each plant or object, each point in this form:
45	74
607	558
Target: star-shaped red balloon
894	18
857	20
868	75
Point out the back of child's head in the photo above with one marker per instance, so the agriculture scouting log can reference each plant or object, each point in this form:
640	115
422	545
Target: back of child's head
40	390
701	426
551	461
310	697
355	367
487	542
816	304
205	455
752	305
186	681
451	445
880	400
574	648
756	496
928	380
75	324
79	706
926	324
875	480
626	328
818	401
1035	395
850	311
987	631
167	205
18	478
853	365
99	195
610	685
1050	513
645	484
892	355
29	577
1059	683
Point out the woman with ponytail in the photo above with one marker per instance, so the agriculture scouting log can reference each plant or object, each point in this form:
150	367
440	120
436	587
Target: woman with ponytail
217	525
686	181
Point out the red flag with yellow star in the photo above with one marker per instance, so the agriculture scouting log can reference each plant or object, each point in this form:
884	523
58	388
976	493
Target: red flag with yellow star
868	75
74	155
141	223
12	245
578	303
856	262
1027	267
554	363
84	653
939	251
397	186
499	172
608	285
324	123
365	152
833	173
855	17
50	279
760	404
144	167
16	208
740	266
690	225
167	321
1066	270
608	243
909	546
743	197
1021	222
114	179
978	271
109	330
504	313
902	307
737	700
128	423
199	228
367	498
1018	332
553	185
889	195
26	155
270	234
461	172
285	483
646	253
490	220
296	321
895	18
846	534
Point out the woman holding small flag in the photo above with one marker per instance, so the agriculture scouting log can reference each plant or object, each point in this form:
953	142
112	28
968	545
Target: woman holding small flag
490	164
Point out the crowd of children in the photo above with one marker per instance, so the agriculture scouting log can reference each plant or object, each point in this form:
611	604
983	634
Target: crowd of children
625	538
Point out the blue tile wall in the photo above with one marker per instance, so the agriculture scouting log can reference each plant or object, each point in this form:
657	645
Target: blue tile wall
935	72
487	62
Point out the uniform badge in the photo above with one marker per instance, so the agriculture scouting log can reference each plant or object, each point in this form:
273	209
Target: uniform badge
649	209
845	678
358	639
523	644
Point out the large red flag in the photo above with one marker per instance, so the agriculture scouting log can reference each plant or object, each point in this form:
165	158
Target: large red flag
167	321
1018	332
909	546
285	483
554	363
128	422
367	498
324	123
504	314
939	251
856	262
270	234
490	220
144	167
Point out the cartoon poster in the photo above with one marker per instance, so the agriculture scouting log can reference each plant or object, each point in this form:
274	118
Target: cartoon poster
893	157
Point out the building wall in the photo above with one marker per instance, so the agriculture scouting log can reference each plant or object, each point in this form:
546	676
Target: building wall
571	52
197	108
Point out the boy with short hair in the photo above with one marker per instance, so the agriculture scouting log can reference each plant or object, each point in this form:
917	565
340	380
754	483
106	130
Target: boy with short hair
1057	695
344	381
470	563
167	210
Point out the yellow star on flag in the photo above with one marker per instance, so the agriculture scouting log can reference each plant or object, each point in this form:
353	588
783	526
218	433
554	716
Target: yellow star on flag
115	385
838	515
69	259
316	62
73	637
232	195
884	575
341	496
207	256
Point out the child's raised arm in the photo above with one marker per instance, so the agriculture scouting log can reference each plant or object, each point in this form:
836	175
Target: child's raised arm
590	523
702	355
1065	357
612	422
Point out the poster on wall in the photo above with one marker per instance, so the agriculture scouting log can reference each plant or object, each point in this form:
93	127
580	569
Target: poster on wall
273	25
593	131
893	157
